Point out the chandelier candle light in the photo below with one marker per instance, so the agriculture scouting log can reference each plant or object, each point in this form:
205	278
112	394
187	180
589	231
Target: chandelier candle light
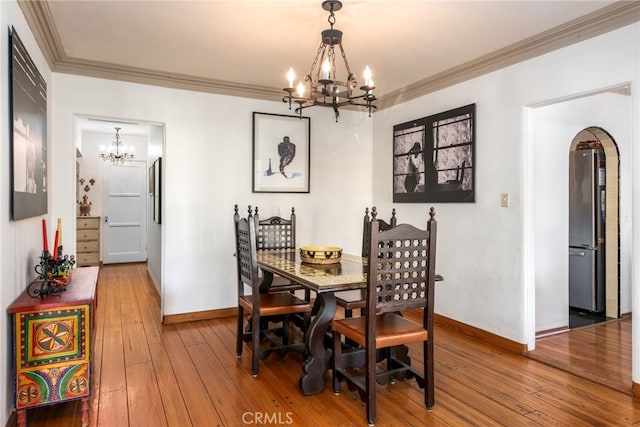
117	154
324	89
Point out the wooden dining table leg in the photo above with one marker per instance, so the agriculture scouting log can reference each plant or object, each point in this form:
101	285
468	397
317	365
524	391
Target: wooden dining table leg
317	361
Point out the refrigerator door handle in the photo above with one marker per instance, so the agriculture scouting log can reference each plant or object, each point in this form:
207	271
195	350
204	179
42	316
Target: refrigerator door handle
577	251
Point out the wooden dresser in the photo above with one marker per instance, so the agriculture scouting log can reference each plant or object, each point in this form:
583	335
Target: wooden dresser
88	240
53	345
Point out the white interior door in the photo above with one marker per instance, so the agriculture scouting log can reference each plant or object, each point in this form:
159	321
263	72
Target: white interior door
124	224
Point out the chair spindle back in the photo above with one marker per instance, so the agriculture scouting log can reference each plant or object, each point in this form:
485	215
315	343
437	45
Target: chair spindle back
402	268
275	232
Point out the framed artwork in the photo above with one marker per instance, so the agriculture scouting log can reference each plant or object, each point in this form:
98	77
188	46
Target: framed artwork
434	158
281	153
28	115
157	191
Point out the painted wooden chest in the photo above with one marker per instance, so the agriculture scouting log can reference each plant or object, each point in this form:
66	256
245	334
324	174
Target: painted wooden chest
52	345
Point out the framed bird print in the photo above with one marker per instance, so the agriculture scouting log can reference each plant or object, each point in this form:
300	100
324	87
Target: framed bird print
281	158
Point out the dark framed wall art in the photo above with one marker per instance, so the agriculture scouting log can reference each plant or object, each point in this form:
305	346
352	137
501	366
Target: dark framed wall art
281	153
434	158
28	115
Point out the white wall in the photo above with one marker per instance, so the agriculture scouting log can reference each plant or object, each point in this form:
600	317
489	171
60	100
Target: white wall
555	127
484	250
207	169
20	241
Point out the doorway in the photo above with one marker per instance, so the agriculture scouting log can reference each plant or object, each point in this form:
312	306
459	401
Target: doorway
147	139
551	128
598	300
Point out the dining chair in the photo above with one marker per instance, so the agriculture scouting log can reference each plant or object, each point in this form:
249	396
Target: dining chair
276	233
262	307
401	275
354	300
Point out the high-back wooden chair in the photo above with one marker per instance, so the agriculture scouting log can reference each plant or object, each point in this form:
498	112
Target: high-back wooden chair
354	300
401	275
261	307
276	233
382	225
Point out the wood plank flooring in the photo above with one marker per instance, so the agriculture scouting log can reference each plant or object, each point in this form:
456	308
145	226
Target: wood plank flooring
601	353
149	374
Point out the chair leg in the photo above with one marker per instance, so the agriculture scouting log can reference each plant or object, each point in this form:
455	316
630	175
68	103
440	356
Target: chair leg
255	335
240	331
390	364
285	330
429	387
337	354
370	368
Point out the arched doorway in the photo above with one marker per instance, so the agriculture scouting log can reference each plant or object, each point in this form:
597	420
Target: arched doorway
598	137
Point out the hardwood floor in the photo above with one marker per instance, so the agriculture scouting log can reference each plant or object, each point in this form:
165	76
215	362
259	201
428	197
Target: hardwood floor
601	353
148	374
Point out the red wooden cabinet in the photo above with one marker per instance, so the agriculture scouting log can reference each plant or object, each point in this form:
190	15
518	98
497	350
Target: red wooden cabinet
52	345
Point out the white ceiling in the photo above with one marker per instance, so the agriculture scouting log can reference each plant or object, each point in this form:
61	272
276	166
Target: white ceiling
254	42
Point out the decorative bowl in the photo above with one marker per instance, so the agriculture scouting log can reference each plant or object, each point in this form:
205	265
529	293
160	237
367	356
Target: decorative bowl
321	254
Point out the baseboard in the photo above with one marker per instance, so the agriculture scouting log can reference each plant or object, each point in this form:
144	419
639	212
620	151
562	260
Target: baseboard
635	390
480	334
199	315
445	322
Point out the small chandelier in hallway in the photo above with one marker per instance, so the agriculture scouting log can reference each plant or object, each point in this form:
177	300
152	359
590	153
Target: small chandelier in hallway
117	154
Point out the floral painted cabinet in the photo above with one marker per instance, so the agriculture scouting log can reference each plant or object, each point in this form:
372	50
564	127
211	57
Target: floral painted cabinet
52	345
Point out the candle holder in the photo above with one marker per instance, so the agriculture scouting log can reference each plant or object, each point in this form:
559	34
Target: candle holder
53	274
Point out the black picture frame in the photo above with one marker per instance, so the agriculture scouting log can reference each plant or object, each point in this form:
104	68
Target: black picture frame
434	158
157	190
281	153
28	118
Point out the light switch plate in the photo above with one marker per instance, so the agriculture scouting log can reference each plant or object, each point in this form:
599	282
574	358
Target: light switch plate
504	200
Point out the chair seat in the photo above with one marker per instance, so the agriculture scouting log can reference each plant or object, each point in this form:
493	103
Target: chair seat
276	304
350	300
391	330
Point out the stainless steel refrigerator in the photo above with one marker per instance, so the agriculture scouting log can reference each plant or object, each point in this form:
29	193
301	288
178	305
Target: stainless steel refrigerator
586	230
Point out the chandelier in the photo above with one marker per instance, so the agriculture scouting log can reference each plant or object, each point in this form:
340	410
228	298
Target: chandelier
117	154
321	83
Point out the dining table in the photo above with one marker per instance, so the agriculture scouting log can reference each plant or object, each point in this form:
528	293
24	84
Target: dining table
325	280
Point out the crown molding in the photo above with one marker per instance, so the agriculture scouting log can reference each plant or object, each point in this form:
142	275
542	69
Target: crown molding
158	78
40	21
609	18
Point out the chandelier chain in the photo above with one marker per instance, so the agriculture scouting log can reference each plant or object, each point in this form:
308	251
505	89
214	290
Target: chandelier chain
315	61
346	64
